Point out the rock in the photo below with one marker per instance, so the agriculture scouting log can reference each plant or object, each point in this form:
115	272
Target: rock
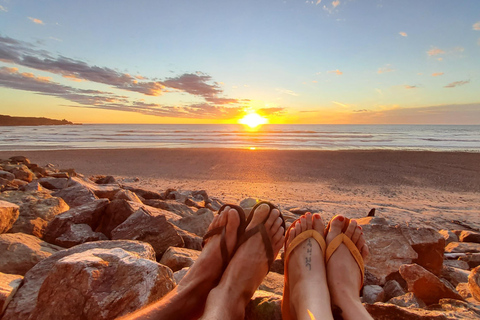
88	214
115	214
248	203
278	265
214	205
149	227
273	282
105	180
469	236
34	186
455	275
9	213
178	258
178	276
22	172
107	283
20	252
24	302
9	284
463	290
19	159
198	223
474	283
77	234
426	285
389	249
53	183
456	264
449	236
102	191
300	211
59	175
127	195
7	175
192	241
387	311
264	305
372	294
408	300
145	194
36	210
75	196
169	205
462	247
18	183
473	259
393	289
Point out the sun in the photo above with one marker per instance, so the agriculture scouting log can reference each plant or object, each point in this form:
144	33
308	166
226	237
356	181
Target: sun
253	120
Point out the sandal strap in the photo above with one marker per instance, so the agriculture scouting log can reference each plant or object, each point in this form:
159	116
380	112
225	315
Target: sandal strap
337	241
304	236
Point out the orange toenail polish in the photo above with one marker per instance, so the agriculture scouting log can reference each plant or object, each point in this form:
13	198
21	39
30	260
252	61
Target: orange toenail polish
341	218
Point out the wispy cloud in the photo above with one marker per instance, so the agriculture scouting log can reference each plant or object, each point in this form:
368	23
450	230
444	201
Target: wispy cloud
476	26
286	91
2	8
410	87
335	3
337	72
457	84
318	2
403	34
437	74
387	68
340	104
34	20
435	51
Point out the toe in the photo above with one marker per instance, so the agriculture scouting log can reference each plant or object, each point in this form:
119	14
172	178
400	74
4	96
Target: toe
214	223
232	223
276	225
309	219
318	224
272	216
259	215
365	252
356	234
276	239
291	235
336	226
351	228
303	223
298	227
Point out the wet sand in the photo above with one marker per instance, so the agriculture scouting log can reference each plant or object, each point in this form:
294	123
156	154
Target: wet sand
432	188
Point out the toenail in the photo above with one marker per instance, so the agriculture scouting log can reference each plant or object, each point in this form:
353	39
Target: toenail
359	227
340	218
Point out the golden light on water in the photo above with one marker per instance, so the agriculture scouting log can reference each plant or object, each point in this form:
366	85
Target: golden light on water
253	120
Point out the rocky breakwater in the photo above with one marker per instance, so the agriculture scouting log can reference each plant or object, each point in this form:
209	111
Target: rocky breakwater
111	249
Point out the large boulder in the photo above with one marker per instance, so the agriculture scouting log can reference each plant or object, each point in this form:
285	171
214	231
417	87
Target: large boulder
25	300
474	283
127	195
53	183
455	275
100	190
462	247
264	305
21	172
9	213
87	214
426	285
76	234
473	259
151	227
179	258
76	195
20	252
7	175
273	282
9	284
197	223
170	205
36	210
469	236
116	213
372	294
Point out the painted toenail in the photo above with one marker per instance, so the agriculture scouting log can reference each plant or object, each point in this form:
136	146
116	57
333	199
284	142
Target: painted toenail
340	218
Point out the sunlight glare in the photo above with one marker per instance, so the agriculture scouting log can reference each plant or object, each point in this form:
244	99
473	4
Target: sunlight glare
253	120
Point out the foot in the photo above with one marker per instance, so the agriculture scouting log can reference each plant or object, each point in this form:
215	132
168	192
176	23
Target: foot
307	278
247	268
343	274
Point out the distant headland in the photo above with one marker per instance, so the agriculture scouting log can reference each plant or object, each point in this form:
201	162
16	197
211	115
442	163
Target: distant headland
31	121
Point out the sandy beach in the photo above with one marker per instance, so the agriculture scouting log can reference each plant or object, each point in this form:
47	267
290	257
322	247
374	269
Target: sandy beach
438	189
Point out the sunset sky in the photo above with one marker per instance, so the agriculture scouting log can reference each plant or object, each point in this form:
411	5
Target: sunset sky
212	61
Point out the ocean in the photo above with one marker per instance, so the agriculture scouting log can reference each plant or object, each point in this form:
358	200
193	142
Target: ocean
284	137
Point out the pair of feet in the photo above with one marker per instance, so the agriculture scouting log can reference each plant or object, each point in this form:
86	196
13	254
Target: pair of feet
314	285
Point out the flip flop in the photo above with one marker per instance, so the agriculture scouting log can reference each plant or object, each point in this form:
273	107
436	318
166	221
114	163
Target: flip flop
342	238
222	230
295	243
261	228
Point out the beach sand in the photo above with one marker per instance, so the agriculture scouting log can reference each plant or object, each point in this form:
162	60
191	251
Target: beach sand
437	189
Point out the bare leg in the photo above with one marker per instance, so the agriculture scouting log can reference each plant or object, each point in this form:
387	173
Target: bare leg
343	274
246	270
307	277
187	300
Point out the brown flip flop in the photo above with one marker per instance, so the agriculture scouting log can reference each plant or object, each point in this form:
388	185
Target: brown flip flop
222	230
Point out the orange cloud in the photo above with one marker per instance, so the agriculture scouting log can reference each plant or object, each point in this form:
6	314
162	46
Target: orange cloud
34	20
336	3
385	69
435	51
437	74
403	34
337	72
410	87
476	26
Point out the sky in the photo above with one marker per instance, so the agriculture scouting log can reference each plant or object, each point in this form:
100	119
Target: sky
212	61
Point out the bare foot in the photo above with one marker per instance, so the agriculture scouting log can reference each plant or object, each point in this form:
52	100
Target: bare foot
343	274
247	268
307	278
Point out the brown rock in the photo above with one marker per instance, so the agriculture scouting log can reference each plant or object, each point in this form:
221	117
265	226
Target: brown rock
19	159
88	214
393	289
469	236
76	234
169	205
115	214
456	264
127	195
178	275
36	210
9	213
24	302
192	241
53	183
408	300
462	247
387	311
455	275
197	223
372	294
474	283
149	227
102	191
145	194
463	290
20	252
7	175
9	284
76	195
449	236
178	258
473	259
264	305
100	284
426	285
22	172
273	282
